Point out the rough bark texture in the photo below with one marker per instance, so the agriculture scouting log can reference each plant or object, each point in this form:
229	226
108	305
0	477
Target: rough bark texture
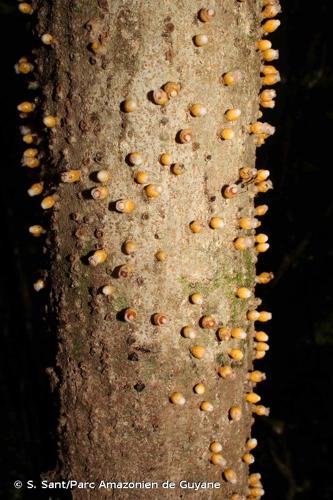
107	429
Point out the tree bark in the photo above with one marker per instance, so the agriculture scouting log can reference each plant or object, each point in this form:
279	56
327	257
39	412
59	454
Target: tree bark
116	421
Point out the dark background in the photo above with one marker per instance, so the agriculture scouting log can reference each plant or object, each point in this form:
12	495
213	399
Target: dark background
295	450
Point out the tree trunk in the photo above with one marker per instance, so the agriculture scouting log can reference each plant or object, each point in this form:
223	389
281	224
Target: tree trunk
117	422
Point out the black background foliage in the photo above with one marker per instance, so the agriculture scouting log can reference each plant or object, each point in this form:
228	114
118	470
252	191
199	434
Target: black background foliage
294	454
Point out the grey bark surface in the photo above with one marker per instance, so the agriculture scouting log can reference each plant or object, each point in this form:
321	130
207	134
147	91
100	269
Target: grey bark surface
107	429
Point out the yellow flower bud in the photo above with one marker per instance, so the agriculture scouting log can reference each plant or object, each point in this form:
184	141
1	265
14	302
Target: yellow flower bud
233	114
36	230
238	333
165	159
235	413
36	189
218	459
264	316
71	176
206	406
264	278
177	398
161	255
48	202
198	110
50	121
98	257
248	458
261	210
196	298
189	332
199	389
200	40
227	134
26	107
230	476
216	223
198	351
252	397
215	447
226	372
129	105
47	39
236	354
271	25
196	226
263	44
256	376
25	8
232	77
260	410
251	443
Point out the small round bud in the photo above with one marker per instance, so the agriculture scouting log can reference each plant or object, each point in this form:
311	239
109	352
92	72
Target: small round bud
50	121
141	177
206	15
271	25
207	322
215	447
251	443
198	110
135	158
103	176
199	389
206	406
160	97
130	315
98	257
177	398
235	413
226	372
39	285
165	159
160	319
172	89
196	298
252	397
36	230
236	354
129	105
232	77
47	39
198	351
216	223
99	193
243	293
230	476
161	255
218	459
200	40
189	332
185	136
233	114
196	226
230	191
125	206
153	190
248	458
129	247
227	134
